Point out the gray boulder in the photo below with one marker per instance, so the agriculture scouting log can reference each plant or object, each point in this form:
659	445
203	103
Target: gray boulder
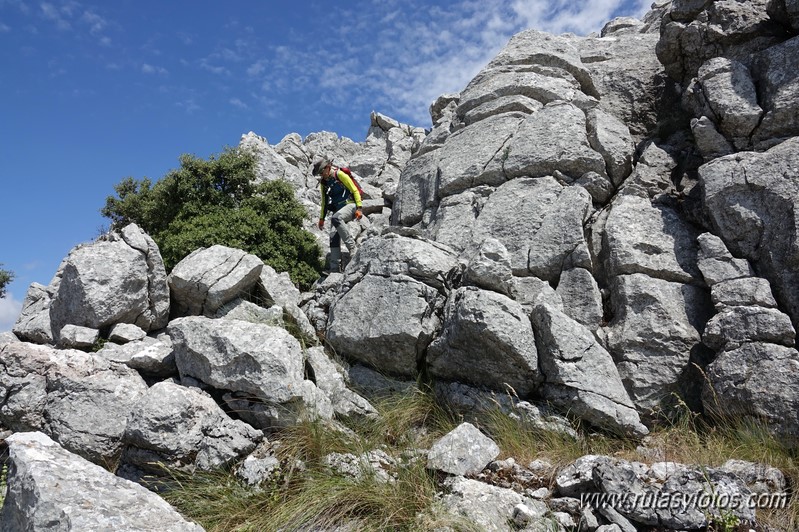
491	508
558	56
474	156
628	76
126	332
330	379
756	380
487	340
731	99
395	254
120	278
652	239
654	331
153	357
79	399
697	496
208	278
33	323
582	300
463	451
385	322
452	221
579	375
779	92
611	138
540	223
753	209
183	427
50	488
490	267
553	139
717	264
263	363
735	325
746	291
76	337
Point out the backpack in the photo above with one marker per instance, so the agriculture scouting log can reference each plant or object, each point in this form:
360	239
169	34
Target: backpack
351	175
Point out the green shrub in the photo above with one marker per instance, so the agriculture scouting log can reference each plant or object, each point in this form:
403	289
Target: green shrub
5	278
217	201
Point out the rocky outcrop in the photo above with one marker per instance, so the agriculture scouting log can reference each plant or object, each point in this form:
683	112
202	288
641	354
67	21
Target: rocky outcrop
120	278
208	278
753	373
50	488
78	399
605	223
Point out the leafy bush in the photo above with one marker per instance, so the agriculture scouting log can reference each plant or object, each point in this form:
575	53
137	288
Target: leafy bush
5	278
217	201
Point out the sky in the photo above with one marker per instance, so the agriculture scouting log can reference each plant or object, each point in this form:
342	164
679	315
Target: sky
93	91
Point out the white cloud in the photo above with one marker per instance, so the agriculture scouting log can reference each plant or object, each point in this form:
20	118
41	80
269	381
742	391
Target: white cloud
96	22
9	312
236	102
53	14
150	69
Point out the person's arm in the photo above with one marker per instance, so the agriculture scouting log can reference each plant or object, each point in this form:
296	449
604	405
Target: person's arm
322	212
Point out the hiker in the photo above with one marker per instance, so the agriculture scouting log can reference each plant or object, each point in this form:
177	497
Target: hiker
342	197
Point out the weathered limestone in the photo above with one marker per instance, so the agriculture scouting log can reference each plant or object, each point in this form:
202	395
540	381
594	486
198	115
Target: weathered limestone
50	488
487	340
208	278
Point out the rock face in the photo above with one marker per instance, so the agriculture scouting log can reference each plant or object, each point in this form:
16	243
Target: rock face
118	279
605	223
78	399
50	488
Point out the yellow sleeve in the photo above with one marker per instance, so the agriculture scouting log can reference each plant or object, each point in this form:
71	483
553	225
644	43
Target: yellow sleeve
347	182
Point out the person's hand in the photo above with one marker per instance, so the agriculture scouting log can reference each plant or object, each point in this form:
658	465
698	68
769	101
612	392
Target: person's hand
322	223
358	214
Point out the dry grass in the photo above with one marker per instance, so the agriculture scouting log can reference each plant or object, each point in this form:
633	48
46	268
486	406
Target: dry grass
315	497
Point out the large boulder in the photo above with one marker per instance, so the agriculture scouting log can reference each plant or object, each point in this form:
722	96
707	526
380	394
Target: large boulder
50	488
654	335
540	223
208	278
756	380
385	322
79	399
179	426
580	376
651	239
487	340
754	209
261	364
396	254
120	278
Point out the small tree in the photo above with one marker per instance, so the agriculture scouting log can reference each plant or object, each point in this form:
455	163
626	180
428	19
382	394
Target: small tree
5	278
217	201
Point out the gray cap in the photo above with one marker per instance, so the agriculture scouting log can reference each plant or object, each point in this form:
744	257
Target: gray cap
319	165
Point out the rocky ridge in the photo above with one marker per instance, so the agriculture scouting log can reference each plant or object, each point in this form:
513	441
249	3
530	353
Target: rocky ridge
596	226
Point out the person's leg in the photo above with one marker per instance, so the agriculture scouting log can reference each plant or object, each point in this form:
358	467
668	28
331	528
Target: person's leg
335	251
340	219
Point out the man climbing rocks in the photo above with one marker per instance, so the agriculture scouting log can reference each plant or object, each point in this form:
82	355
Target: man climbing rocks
341	195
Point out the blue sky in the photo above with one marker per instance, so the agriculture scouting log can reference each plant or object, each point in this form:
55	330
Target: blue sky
94	91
